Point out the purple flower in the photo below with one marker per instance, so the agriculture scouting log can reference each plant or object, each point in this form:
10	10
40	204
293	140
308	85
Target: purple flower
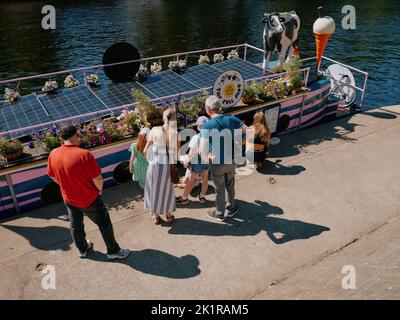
31	145
102	139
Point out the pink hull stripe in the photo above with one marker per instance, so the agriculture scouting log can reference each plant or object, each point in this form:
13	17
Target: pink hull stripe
290	113
290	103
27	175
8	206
106	151
109	168
24	176
293	123
311	115
317	92
311	105
23	203
23	194
314	121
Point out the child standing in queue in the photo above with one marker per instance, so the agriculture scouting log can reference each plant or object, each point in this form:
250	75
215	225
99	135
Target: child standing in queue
196	167
138	163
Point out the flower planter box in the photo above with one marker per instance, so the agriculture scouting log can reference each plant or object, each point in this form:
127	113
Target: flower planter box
248	100
13	156
267	98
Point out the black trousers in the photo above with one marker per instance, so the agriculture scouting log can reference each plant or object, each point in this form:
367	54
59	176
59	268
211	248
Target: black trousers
98	213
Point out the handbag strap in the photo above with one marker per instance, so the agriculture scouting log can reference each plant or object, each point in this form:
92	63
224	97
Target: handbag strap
166	143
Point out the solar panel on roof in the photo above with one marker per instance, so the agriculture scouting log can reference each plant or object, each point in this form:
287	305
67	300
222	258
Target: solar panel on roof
71	102
67	103
247	69
167	83
202	75
25	112
118	94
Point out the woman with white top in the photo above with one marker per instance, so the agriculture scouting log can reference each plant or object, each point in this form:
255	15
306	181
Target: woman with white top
159	194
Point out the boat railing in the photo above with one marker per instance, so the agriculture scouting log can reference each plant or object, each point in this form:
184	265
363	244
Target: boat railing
364	75
176	56
101	66
245	46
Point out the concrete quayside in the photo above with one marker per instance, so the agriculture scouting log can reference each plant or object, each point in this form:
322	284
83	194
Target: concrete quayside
323	191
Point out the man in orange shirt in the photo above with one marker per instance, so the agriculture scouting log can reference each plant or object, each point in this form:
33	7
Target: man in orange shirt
81	183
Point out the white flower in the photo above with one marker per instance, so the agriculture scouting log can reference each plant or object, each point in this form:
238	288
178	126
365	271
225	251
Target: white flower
177	66
93	79
182	64
218	57
11	95
156	68
71	82
204	59
50	86
233	54
143	72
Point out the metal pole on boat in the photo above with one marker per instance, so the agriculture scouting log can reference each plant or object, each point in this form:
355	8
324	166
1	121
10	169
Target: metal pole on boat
12	192
363	90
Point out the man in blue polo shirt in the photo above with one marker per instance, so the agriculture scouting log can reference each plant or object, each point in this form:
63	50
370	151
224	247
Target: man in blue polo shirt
217	144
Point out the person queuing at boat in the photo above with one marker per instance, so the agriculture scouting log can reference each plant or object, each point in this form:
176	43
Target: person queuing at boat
196	167
159	192
258	141
213	138
138	163
81	183
185	179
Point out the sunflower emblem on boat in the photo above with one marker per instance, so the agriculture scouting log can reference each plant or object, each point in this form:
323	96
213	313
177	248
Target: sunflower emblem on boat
229	88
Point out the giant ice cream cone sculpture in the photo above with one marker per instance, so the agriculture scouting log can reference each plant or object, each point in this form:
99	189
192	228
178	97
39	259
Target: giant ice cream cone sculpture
323	29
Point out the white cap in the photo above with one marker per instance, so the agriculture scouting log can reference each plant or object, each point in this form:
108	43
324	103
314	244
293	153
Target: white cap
145	131
201	120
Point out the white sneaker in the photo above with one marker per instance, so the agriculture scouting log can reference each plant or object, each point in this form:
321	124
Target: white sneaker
90	247
121	254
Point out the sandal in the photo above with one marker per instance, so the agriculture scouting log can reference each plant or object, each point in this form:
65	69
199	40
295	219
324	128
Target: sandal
170	218
156	219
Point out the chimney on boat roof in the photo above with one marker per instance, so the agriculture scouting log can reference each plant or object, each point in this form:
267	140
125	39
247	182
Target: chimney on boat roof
320	11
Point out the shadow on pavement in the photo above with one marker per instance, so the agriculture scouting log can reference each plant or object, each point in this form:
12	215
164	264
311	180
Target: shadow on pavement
148	261
293	143
156	263
47	238
275	168
382	114
252	219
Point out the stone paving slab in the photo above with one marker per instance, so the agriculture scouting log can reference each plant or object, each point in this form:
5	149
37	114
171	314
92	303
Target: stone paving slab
376	261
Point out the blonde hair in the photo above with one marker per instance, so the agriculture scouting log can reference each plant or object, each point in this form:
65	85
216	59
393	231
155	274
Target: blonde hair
169	115
260	126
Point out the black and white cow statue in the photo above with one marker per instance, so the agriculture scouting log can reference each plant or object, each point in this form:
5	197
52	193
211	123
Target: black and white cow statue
280	34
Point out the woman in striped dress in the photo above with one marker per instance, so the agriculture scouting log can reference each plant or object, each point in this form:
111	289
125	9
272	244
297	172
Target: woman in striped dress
159	193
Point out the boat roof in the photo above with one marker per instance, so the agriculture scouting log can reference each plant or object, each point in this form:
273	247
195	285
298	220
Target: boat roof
34	110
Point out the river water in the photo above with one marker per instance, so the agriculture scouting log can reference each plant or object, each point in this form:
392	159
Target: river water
86	28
